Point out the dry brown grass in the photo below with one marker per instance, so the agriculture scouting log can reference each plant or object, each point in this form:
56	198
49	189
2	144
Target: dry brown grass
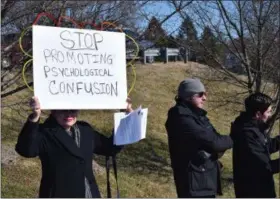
144	167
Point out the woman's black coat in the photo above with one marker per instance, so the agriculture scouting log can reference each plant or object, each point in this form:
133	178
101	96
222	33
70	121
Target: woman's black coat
64	165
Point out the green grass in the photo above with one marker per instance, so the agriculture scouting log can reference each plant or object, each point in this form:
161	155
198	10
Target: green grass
143	168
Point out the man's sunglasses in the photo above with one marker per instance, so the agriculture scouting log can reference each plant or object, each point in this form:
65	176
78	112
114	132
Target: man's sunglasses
201	94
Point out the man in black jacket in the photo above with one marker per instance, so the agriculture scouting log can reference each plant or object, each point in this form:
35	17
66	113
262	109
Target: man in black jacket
252	167
194	144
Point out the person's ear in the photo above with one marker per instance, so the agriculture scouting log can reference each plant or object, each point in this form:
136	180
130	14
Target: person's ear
258	115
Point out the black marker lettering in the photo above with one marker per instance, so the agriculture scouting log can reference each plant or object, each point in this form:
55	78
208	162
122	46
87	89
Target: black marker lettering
95	59
110	60
72	72
63	36
78	86
91	72
81	73
100	72
108	89
46	69
70	87
61	56
109	74
61	70
80	59
105	72
66	72
47	53
96	87
52	82
79	38
97	39
96	72
70	56
114	89
54	55
62	87
86	40
54	70
76	72
103	58
87	54
90	89
102	84
86	72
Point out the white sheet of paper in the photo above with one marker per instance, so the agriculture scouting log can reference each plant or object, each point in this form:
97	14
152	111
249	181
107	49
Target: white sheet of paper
130	128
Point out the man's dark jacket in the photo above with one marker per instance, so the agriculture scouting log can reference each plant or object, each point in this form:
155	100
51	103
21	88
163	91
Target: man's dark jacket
194	147
252	167
64	165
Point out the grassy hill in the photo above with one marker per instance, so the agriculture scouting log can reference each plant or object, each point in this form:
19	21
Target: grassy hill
143	168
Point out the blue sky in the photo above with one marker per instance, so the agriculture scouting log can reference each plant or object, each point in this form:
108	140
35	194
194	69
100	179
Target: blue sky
161	9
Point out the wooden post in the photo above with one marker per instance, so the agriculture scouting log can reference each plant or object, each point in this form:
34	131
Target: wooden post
185	55
166	55
144	56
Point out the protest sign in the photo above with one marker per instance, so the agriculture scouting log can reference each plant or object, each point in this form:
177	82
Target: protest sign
130	128
79	68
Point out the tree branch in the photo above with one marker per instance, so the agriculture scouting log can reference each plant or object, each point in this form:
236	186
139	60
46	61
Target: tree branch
16	90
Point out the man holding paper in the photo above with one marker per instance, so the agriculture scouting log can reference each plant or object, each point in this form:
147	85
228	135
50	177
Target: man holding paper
65	147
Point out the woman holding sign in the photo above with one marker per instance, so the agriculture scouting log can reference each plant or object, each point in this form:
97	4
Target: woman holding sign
65	147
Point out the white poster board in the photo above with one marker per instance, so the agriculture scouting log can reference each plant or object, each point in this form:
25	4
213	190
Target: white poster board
130	128
79	68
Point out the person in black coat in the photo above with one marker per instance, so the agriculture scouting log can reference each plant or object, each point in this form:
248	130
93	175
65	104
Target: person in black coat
252	167
194	144
65	147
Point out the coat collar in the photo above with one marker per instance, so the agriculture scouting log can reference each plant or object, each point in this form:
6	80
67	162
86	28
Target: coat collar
63	137
189	109
249	121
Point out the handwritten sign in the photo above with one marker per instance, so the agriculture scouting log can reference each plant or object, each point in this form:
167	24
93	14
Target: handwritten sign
130	128
79	68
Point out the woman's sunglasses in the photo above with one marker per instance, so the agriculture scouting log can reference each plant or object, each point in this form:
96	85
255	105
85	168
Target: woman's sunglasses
67	111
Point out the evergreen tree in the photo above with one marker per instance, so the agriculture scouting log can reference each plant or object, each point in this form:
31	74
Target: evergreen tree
187	37
208	40
209	47
155	32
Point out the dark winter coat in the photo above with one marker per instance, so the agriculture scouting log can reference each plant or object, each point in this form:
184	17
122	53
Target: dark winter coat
64	165
194	147
252	167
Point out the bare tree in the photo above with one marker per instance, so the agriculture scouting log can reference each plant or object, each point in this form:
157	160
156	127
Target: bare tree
249	33
18	15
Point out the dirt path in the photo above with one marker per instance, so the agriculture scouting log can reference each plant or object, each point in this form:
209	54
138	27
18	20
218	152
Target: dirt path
8	155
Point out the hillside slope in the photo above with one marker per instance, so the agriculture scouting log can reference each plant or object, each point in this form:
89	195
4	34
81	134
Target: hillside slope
144	167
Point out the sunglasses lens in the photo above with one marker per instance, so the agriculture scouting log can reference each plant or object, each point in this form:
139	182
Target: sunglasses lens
69	111
201	94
